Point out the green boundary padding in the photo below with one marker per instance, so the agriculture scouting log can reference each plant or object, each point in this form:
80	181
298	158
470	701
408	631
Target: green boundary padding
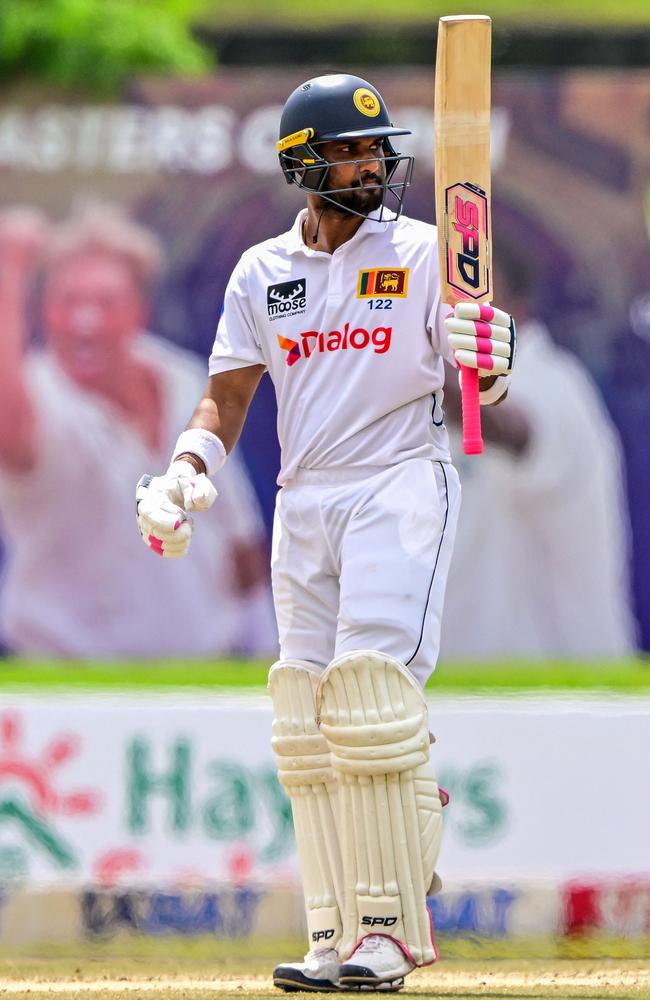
126	954
380	13
623	677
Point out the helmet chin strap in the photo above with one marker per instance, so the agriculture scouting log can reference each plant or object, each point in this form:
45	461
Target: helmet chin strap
314	238
333	205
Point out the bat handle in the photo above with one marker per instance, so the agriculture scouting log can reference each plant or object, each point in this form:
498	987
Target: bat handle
472	438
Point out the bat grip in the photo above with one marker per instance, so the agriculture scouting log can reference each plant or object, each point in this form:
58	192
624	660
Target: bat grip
472	438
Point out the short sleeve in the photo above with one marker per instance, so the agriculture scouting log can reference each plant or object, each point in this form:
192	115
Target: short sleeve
236	344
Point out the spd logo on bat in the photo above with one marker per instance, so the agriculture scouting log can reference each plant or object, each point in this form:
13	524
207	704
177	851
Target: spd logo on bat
467	240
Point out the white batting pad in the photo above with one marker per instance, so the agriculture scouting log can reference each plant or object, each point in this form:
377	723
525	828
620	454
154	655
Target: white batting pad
374	717
306	773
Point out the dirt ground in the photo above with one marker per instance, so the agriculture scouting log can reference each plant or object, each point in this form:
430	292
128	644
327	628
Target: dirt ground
565	979
128	968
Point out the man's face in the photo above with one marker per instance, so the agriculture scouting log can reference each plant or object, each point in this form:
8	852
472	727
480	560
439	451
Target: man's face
365	179
92	307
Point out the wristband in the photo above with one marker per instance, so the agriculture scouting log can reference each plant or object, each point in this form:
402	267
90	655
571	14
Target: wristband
205	445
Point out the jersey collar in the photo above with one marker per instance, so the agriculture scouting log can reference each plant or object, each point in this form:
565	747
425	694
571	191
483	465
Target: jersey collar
296	244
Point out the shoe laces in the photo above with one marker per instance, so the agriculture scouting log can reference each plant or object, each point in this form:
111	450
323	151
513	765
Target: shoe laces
373	943
316	953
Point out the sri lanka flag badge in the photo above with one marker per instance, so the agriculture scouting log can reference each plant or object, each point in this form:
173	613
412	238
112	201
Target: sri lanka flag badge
383	282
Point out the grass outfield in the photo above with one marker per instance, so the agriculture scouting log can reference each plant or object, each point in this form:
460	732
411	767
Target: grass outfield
623	677
374	13
198	968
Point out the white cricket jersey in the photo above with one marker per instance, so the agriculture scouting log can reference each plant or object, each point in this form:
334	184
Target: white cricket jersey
353	341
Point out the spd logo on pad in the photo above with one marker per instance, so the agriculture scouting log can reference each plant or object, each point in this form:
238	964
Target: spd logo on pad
286	299
383	282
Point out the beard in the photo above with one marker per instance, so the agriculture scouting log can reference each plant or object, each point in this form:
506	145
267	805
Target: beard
360	199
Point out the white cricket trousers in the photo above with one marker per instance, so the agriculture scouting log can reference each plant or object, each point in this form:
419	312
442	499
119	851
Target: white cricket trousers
360	561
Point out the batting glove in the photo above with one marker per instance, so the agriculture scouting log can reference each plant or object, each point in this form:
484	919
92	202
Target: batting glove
482	337
163	504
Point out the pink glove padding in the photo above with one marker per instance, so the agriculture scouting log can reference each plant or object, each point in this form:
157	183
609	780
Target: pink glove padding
482	337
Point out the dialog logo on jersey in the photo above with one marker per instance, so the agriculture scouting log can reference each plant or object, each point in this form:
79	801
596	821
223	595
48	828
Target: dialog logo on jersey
316	342
383	282
293	347
289	298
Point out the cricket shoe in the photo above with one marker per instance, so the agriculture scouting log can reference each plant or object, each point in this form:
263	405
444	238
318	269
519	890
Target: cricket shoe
377	963
318	972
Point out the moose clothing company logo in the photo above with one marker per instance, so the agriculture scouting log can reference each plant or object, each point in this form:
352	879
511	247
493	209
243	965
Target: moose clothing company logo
384	282
286	299
315	342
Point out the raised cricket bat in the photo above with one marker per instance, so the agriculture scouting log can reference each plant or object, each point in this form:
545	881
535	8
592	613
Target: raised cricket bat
462	159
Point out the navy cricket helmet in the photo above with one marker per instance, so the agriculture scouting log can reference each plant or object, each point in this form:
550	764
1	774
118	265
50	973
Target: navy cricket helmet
338	106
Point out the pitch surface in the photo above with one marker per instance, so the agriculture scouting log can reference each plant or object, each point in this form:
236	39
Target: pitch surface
196	969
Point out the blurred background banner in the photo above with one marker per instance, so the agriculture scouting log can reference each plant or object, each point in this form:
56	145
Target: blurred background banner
153	814
163	792
192	163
